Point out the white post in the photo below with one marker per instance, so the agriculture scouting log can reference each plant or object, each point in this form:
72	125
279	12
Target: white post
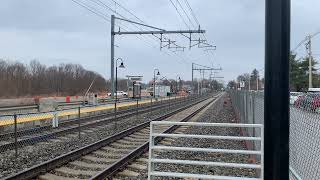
151	144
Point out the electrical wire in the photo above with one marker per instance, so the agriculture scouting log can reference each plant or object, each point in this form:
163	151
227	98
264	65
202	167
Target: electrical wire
180	15
126	28
186	14
91	9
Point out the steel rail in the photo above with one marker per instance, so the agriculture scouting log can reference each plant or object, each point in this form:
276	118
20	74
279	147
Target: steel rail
36	139
75	120
65	158
115	167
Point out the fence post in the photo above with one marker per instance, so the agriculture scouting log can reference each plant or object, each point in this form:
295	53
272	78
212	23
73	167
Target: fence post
253	112
79	125
15	136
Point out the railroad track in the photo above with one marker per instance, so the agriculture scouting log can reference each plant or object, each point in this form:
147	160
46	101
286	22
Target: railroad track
106	156
39	134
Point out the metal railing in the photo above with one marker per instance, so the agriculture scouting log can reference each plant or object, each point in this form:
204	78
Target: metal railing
304	129
155	159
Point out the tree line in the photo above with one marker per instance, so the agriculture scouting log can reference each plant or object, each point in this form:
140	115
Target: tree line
298	75
251	81
18	79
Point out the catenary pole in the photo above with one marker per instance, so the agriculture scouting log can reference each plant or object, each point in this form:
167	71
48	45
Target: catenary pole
112	56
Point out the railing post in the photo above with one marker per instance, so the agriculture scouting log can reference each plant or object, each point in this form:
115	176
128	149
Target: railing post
15	136
151	144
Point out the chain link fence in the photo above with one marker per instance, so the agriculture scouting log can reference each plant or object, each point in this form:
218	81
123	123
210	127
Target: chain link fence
304	129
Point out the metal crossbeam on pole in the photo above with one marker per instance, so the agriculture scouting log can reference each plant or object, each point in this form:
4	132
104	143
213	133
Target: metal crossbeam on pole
208	69
202	70
157	31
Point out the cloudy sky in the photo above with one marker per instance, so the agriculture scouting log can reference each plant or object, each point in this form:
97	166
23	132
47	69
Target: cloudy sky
61	31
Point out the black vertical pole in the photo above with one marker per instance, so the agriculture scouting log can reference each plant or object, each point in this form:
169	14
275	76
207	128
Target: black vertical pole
276	107
15	136
137	109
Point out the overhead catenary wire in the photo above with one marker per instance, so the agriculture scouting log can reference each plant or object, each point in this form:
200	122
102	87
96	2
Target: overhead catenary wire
192	13
195	19
91	9
186	14
99	2
154	36
180	14
103	16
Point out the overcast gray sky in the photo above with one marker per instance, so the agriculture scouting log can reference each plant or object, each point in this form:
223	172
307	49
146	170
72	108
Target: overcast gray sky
60	31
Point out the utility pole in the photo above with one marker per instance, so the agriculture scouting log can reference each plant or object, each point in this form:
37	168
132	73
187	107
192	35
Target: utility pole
249	83
157	31
192	73
308	46
257	82
112	57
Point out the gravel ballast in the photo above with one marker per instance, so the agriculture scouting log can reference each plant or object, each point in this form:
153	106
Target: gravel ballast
220	112
33	155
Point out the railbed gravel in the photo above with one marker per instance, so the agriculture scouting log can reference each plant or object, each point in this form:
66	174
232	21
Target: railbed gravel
220	112
40	152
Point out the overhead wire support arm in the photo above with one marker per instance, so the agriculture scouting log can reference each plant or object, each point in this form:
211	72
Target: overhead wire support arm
160	32
139	23
152	32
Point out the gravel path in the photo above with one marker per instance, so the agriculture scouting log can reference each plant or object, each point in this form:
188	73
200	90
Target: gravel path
40	152
220	112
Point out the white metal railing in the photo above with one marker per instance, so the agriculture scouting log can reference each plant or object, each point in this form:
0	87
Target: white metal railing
155	159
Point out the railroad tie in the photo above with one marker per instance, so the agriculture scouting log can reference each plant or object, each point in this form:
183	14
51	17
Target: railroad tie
142	160
112	149
145	137
128	173
116	144
80	164
98	159
139	133
49	176
75	172
134	139
137	166
105	153
124	141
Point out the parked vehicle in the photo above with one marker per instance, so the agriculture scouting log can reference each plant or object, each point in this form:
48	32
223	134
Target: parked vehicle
294	96
120	94
297	103
309	102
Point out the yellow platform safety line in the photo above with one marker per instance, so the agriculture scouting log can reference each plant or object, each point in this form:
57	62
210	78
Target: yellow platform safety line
6	122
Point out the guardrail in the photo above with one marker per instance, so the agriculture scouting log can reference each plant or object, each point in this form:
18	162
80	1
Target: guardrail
153	159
